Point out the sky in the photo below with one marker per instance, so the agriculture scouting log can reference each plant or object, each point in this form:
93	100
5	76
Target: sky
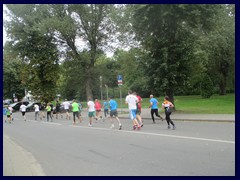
79	42
4	32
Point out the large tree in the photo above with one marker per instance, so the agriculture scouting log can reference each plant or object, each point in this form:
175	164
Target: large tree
167	32
37	51
220	46
11	70
89	24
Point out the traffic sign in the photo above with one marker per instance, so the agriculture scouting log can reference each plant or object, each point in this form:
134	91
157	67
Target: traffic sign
119	78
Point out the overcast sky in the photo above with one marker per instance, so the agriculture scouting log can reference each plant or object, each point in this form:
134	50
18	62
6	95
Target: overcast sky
79	42
4	32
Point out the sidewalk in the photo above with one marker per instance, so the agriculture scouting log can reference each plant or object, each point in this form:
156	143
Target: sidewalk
184	117
17	161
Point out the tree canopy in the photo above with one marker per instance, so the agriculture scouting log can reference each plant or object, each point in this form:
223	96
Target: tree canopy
164	49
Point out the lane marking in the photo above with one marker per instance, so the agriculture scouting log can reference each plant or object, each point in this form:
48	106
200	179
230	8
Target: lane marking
157	134
53	123
143	133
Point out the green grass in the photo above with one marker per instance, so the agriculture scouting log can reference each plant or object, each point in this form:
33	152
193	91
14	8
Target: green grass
193	104
197	105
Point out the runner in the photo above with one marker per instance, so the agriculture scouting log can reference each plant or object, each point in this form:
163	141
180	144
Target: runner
154	108
66	106
91	111
11	112
5	114
75	110
98	109
36	109
23	110
167	105
8	113
139	109
132	100
42	109
113	112
58	105
105	106
48	108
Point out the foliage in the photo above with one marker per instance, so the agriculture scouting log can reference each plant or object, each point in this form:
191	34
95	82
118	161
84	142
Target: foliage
161	49
206	87
11	71
167	33
39	72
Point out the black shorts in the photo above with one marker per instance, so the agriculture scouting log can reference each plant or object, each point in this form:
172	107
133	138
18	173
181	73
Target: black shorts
114	113
23	113
75	113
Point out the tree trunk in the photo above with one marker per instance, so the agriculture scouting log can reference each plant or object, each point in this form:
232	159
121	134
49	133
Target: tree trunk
222	86
88	84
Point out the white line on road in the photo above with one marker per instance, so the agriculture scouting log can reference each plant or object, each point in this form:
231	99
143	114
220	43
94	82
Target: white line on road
53	123
163	135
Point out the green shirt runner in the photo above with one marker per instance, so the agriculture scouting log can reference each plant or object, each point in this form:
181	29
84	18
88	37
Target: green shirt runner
75	107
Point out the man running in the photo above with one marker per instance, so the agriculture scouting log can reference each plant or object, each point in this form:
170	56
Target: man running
154	108
113	112
23	110
66	106
91	111
132	101
36	109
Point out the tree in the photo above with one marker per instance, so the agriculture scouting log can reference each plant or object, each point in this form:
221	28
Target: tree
89	23
220	45
167	32
11	71
38	52
206	87
131	67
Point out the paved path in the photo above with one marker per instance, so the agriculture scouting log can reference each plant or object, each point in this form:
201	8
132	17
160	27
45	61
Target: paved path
18	162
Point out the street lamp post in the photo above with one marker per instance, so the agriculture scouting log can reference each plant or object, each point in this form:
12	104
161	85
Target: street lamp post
107	90
101	87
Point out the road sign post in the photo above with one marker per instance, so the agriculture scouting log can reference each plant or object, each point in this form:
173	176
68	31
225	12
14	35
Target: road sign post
120	83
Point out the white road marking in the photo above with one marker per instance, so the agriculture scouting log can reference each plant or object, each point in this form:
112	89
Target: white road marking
145	133
157	134
53	123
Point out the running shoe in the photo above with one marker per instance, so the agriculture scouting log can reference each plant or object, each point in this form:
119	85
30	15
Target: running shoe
134	127
120	127
174	127
139	127
89	125
112	126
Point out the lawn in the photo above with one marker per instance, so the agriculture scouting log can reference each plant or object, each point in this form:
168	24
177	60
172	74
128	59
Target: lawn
194	104
197	105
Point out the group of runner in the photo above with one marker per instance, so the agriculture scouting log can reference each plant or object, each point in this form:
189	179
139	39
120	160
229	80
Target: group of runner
133	100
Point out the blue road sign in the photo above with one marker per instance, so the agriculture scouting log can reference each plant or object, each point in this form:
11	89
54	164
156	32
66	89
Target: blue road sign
119	77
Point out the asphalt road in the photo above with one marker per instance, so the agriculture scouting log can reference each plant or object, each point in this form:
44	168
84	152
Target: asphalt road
60	148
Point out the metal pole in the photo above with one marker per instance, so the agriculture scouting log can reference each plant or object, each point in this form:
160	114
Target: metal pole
107	90
101	87
121	97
